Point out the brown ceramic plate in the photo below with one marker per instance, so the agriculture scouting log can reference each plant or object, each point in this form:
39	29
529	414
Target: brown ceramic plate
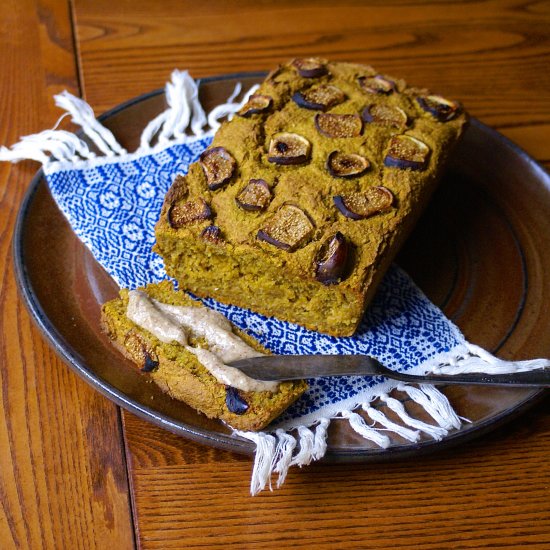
480	252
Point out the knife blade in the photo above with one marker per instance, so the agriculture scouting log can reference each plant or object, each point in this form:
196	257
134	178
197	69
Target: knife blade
295	367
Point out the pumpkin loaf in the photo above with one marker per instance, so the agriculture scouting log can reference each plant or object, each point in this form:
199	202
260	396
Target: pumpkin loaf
304	197
179	368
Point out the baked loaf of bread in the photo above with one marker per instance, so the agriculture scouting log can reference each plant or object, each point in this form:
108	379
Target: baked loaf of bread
304	197
178	367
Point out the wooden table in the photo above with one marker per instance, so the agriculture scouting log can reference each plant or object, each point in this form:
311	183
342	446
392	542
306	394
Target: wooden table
78	472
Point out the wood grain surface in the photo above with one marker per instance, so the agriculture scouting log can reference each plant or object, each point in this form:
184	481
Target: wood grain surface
63	481
71	474
489	493
492	55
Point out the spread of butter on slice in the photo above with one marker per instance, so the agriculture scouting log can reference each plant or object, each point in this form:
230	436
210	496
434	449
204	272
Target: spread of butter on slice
171	323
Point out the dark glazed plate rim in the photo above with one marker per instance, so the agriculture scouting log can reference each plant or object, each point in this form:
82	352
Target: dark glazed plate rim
218	439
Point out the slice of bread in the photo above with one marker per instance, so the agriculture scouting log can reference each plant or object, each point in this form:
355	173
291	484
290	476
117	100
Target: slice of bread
179	373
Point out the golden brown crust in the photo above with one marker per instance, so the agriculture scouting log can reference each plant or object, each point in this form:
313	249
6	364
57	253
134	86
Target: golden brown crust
273	272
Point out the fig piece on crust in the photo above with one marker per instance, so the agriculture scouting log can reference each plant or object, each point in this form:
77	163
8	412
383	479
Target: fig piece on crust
256	103
218	166
346	165
177	191
331	260
310	67
287	149
377	84
364	204
338	126
212	234
407	152
182	214
289	228
319	98
386	115
440	108
235	401
255	196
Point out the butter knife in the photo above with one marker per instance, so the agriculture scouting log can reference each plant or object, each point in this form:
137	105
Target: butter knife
294	367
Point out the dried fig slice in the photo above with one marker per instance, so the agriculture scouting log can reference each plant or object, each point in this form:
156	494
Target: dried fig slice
255	196
287	148
256	103
272	76
150	364
386	115
212	234
319	98
331	260
407	152
178	190
218	166
346	165
235	401
310	67
361	205
289	228
338	126
377	84
140	352
440	108
182	214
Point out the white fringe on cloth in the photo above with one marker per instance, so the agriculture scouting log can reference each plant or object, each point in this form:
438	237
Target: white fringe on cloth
477	360
83	115
184	119
276	454
301	445
435	432
380	418
184	112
